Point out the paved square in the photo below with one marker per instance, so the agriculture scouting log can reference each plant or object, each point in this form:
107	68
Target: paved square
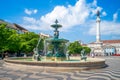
112	72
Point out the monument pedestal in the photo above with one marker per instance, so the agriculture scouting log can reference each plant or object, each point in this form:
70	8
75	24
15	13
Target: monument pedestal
98	50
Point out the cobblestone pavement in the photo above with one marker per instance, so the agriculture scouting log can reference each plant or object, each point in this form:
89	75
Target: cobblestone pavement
112	72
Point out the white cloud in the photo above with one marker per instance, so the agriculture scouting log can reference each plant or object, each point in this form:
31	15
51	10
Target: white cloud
78	15
34	24
115	15
35	11
69	16
29	12
104	13
31	23
106	28
94	3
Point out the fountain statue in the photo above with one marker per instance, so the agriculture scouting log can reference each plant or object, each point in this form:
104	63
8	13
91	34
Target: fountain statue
36	55
83	55
57	53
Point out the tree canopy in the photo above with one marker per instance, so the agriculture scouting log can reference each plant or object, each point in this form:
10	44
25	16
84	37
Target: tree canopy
12	41
28	41
5	34
87	50
75	48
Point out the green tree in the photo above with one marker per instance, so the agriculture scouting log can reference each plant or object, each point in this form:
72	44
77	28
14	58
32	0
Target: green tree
5	33
14	42
11	41
87	50
75	48
28	41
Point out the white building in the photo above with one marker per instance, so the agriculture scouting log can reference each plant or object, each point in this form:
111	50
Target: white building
108	47
103	47
45	35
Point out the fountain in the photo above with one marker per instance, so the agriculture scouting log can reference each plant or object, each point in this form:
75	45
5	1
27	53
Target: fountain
56	53
56	56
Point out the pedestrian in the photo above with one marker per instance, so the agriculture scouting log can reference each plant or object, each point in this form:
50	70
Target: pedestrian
92	55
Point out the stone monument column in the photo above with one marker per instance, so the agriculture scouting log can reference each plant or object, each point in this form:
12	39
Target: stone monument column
98	50
98	27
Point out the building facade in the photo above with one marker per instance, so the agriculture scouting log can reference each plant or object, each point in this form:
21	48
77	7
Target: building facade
14	26
111	47
108	48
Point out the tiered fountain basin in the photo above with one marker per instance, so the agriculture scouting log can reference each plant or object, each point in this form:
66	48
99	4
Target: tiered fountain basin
73	64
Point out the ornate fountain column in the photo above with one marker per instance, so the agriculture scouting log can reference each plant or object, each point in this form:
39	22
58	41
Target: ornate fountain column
56	35
57	52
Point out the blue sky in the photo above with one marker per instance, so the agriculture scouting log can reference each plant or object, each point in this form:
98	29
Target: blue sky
78	17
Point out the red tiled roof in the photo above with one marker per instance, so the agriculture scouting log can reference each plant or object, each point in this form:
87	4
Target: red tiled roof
111	41
108	41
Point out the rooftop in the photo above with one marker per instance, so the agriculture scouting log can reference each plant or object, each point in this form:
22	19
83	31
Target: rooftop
108	41
13	25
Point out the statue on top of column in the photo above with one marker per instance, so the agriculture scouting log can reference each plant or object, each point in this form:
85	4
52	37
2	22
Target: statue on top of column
98	13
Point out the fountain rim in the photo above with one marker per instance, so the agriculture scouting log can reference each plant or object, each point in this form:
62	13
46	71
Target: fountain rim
59	65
